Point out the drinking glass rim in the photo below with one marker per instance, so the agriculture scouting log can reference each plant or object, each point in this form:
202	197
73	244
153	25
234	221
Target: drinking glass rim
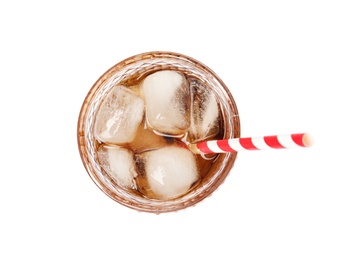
140	64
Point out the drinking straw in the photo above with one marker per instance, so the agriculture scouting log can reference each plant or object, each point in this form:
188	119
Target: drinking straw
252	143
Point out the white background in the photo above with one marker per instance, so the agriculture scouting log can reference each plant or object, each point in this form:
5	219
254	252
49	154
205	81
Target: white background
292	66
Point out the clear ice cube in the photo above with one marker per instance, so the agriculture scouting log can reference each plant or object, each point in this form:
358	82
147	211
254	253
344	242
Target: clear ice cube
119	164
119	116
167	98
168	172
204	112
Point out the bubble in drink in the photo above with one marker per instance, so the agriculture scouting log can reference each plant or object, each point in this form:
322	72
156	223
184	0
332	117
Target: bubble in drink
119	116
167	97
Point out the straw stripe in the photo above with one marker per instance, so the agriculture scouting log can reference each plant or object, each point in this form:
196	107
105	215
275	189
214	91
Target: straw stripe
247	143
286	141
203	147
224	145
260	143
253	143
214	147
298	139
235	144
272	141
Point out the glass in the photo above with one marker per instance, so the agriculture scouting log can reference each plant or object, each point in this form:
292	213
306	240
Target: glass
132	71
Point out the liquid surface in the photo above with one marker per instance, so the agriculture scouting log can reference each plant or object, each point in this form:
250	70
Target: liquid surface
162	114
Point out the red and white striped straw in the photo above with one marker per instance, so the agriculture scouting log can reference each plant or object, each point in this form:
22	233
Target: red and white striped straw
252	143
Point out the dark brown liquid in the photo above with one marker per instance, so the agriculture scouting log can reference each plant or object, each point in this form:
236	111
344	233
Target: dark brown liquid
147	140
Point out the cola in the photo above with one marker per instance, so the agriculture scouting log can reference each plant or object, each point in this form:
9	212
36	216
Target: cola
137	121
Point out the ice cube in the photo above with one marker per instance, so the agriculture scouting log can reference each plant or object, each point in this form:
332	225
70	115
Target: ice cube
167	98
118	162
119	116
204	112
169	171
